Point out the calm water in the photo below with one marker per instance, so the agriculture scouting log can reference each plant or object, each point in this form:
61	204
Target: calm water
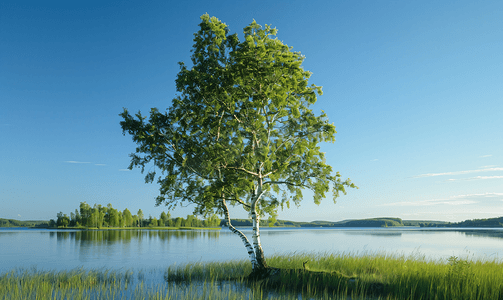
157	249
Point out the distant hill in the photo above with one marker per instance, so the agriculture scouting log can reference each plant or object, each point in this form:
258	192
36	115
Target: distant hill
372	222
375	222
17	223
493	222
424	223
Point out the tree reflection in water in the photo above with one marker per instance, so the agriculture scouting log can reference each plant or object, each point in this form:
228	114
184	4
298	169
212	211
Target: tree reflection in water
97	237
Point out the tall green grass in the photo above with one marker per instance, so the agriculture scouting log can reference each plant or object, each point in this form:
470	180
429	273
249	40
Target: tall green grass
302	276
103	284
376	276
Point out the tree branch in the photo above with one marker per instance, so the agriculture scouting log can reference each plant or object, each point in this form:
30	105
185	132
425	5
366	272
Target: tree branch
244	170
284	182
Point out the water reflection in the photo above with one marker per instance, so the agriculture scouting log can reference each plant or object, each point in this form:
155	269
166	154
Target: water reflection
126	236
374	233
484	233
66	249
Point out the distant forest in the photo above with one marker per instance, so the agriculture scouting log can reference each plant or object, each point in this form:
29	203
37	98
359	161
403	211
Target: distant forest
17	223
99	216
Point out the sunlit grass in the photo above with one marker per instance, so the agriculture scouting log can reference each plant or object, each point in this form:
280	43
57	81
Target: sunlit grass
303	276
379	276
104	284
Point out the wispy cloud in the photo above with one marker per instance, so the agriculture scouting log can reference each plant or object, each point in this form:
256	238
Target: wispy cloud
83	162
487	155
483	195
124	170
431	203
452	201
458	172
477	178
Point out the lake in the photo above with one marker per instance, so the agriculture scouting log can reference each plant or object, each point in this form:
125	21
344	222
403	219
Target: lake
157	249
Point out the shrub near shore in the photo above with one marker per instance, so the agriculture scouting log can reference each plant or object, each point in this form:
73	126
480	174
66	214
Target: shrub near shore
313	276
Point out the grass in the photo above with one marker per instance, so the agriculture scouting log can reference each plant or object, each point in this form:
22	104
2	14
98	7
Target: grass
302	276
80	284
376	276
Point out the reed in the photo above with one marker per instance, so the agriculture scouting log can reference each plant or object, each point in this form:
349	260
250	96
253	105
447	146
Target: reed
302	276
375	276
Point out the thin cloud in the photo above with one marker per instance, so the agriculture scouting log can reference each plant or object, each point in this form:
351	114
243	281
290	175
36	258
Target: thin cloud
458	172
124	170
453	200
487	155
431	203
476	178
83	162
484	195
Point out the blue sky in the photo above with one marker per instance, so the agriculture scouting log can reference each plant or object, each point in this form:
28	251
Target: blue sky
413	87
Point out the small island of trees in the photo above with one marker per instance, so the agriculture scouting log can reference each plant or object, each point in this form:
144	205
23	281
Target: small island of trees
99	216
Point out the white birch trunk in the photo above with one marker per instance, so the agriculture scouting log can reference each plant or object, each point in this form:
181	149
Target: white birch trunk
243	237
256	228
259	252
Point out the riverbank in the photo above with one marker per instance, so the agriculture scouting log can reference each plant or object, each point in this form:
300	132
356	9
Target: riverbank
317	276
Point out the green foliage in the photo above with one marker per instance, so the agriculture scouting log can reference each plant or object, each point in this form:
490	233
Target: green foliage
128	218
212	221
63	220
140	218
241	122
100	216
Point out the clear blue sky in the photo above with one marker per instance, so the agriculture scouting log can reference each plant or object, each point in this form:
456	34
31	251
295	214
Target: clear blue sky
415	89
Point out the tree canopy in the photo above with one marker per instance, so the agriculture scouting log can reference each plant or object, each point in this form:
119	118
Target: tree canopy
240	128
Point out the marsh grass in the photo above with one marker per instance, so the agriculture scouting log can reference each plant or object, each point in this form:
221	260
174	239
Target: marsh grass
301	276
75	284
104	284
368	276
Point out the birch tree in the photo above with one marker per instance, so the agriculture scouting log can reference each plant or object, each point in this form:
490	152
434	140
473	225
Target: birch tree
240	131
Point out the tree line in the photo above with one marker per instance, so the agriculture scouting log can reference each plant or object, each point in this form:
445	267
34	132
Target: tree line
99	216
17	223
